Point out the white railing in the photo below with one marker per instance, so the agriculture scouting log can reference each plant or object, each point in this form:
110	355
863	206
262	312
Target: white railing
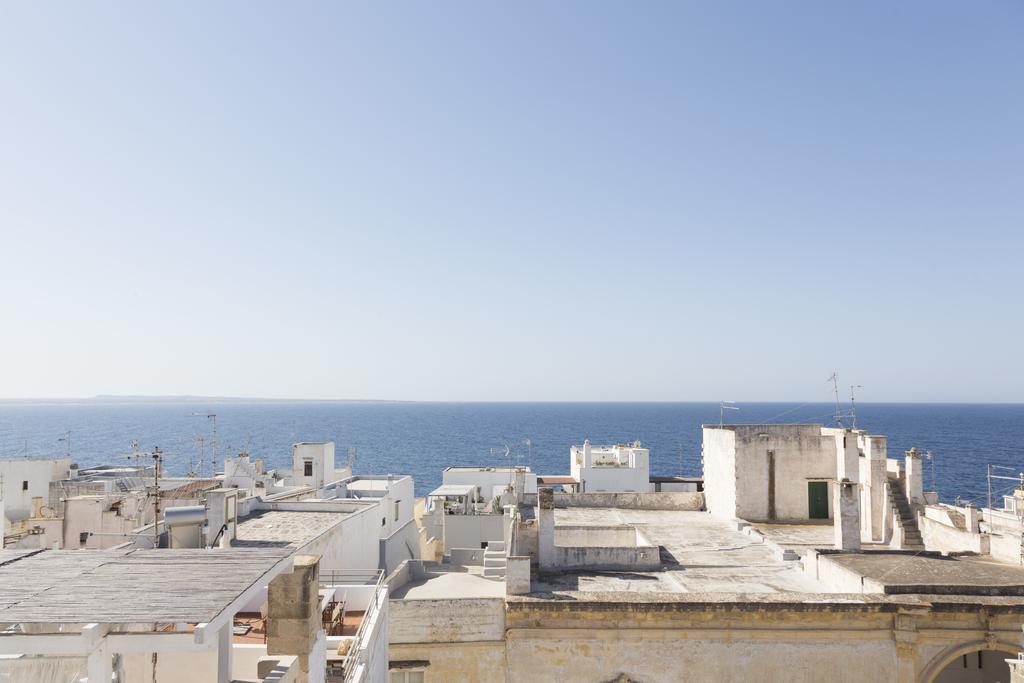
356	657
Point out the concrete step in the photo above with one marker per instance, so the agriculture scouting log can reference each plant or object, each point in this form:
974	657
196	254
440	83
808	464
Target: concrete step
496	545
494	562
494	573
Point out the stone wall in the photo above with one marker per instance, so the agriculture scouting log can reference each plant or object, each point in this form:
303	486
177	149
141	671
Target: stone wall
446	620
837	637
480	662
665	500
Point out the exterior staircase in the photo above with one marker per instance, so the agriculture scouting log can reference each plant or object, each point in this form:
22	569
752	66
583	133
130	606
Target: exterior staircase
906	516
494	560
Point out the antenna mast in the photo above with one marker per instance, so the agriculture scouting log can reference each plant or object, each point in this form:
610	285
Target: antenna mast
853	405
722	407
213	447
213	444
835	388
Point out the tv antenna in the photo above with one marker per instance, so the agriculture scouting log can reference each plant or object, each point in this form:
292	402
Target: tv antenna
931	458
351	459
722	407
529	453
136	456
508	457
193	470
834	378
853	405
213	442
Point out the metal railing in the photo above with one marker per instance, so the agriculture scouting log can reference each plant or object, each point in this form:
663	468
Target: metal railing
357	653
351	577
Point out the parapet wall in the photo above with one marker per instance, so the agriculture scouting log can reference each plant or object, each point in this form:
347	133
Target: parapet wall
618	535
665	500
618	547
577	558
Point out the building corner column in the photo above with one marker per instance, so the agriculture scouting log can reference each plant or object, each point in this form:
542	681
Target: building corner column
905	634
545	528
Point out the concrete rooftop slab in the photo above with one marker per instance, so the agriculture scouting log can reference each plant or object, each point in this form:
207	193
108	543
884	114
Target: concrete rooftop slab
798	536
283	528
700	554
448	585
901	573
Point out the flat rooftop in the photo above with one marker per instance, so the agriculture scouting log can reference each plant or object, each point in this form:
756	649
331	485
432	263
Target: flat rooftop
129	586
448	585
284	528
902	573
700	554
799	536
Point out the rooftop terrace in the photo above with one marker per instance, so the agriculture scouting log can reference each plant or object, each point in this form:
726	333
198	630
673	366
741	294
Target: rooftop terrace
700	554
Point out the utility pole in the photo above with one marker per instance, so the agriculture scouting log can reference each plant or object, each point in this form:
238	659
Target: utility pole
157	455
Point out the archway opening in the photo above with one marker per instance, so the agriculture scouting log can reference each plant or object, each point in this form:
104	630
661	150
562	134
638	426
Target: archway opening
979	666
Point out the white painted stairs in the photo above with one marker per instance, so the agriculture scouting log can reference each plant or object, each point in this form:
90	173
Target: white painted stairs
494	560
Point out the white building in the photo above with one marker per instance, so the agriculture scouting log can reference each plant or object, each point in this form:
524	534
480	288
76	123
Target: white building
491	481
468	511
313	465
622	467
187	616
25	479
796	473
398	535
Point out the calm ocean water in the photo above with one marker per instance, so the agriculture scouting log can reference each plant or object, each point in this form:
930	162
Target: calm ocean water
422	438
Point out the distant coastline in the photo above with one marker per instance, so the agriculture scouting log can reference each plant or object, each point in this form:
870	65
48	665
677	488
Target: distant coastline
128	399
114	399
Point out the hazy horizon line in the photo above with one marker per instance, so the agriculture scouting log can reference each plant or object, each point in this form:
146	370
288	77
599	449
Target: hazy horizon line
193	398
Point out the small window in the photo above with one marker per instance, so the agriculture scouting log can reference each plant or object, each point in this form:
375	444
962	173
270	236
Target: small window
383	521
24	486
396	509
307	468
408	677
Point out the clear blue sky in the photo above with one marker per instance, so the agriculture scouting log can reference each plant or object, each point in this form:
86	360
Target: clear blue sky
522	201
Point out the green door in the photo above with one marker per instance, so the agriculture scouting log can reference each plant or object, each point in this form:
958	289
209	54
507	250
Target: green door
817	499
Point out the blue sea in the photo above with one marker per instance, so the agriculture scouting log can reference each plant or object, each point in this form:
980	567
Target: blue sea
422	438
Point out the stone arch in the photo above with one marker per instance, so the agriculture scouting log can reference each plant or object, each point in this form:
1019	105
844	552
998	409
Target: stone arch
947	656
